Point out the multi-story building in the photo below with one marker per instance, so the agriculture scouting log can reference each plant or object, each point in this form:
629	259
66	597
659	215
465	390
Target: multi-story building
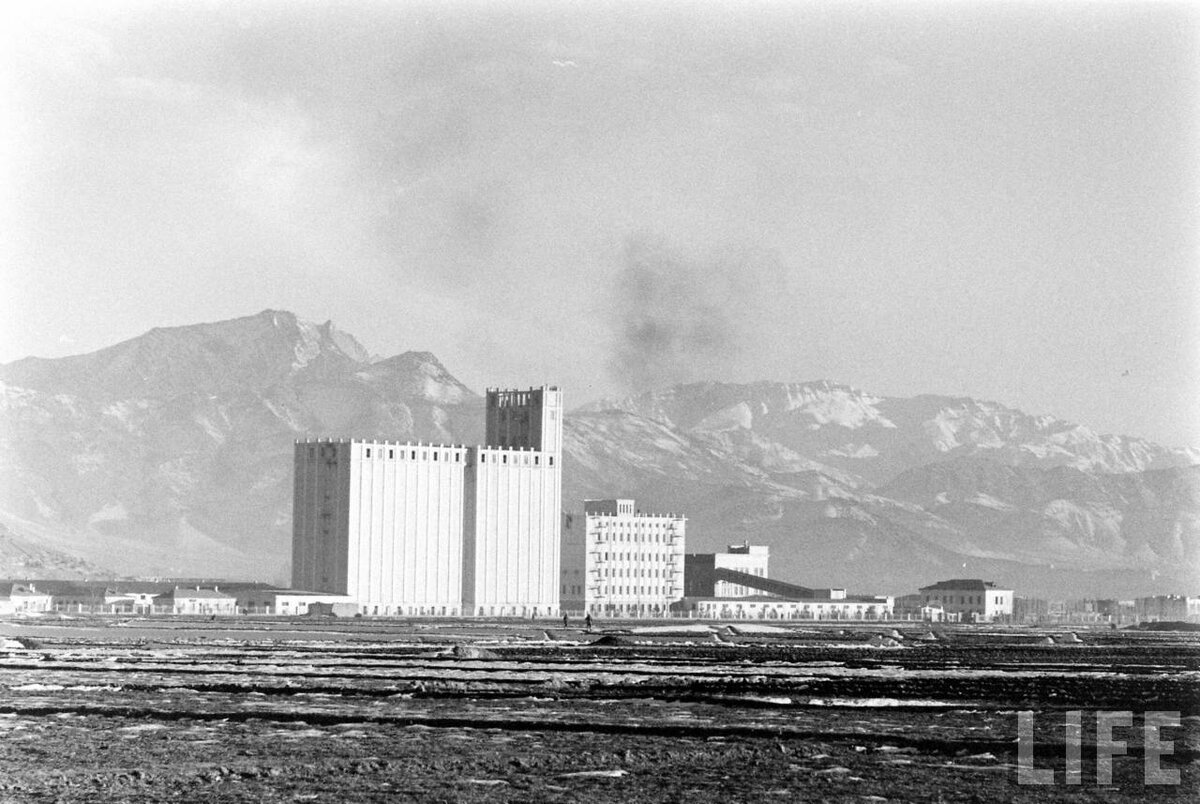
513	498
623	562
380	522
970	599
433	529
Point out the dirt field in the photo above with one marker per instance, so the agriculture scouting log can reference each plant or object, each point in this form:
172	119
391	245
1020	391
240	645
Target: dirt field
333	710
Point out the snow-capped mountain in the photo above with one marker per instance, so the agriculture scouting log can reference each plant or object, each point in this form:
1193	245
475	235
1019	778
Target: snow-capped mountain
877	437
171	453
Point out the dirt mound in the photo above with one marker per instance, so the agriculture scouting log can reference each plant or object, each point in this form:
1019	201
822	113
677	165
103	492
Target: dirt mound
472	652
613	641
884	642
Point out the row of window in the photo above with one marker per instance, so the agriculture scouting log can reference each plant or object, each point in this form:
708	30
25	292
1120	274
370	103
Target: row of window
658	556
966	600
634	573
445	456
648	538
412	454
523	459
618	573
635	590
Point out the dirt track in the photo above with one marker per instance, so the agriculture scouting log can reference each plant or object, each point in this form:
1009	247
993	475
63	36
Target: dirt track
170	710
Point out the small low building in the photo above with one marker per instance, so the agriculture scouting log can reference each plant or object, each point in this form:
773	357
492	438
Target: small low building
133	597
294	602
23	598
195	600
969	600
765	607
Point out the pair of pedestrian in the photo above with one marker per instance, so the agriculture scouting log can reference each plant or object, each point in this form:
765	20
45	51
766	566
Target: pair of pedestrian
587	621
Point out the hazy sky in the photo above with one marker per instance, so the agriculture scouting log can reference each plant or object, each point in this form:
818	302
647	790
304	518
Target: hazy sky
995	200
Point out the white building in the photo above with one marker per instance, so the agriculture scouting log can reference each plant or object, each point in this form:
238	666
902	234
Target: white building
513	509
380	522
623	562
969	600
23	598
294	602
425	529
195	600
775	608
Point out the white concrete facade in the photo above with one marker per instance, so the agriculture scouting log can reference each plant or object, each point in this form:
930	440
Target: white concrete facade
297	603
195	601
513	507
624	562
433	530
969	599
25	598
511	552
381	522
780	609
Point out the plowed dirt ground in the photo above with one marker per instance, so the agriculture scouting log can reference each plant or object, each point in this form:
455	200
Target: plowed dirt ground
169	710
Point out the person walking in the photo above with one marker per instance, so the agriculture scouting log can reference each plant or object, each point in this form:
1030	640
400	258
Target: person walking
566	620
587	621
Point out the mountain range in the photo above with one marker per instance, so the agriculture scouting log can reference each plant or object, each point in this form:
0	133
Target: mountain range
170	454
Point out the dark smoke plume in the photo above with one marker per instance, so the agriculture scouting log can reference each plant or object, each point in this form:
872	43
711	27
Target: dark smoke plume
678	319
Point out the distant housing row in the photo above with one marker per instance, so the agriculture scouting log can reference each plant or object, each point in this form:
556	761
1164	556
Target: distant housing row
209	599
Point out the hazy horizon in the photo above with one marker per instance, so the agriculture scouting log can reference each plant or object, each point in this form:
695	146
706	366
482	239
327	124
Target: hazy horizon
985	200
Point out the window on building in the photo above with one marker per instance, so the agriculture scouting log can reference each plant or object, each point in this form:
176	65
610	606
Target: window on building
551	459
368	452
391	454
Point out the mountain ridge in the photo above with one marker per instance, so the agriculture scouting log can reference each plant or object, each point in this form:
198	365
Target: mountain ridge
910	430
172	452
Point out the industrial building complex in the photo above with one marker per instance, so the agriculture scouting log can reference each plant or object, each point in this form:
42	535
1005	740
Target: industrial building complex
390	528
431	529
736	585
